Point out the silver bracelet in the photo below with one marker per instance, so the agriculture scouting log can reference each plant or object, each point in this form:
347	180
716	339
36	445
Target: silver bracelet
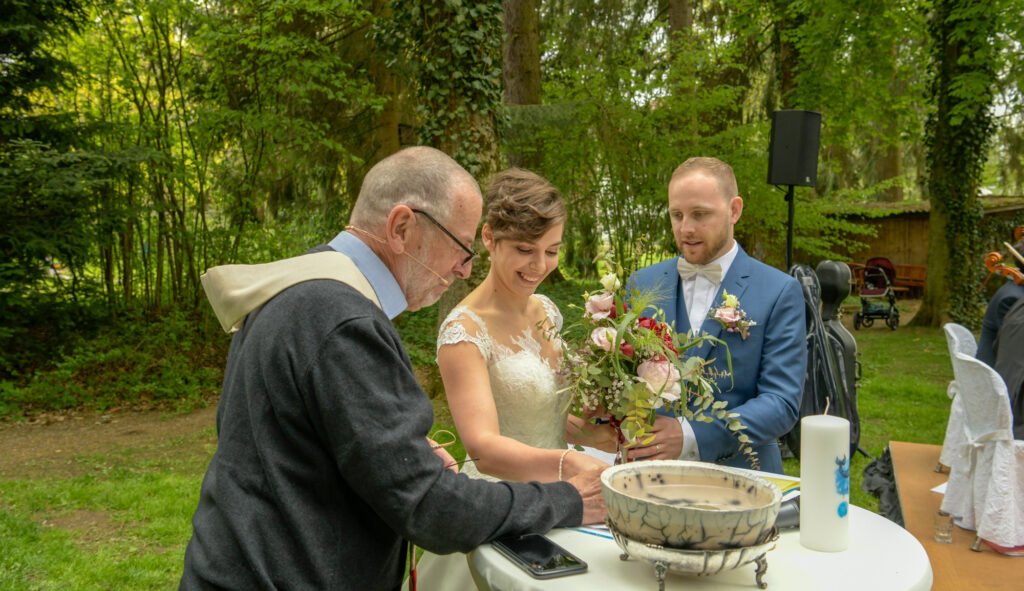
561	462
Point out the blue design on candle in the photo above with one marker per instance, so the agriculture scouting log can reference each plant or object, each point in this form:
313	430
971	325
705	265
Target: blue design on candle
843	475
843	483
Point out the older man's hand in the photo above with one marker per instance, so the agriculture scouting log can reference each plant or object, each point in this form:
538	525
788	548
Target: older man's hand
588	483
446	458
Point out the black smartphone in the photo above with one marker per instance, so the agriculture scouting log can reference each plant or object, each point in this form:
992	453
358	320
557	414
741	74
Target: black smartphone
539	556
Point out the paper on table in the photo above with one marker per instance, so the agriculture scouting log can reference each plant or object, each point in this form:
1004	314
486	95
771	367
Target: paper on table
789	485
596	453
941	489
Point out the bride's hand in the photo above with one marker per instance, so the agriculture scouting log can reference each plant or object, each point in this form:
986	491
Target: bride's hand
596	412
576	463
583	432
604	438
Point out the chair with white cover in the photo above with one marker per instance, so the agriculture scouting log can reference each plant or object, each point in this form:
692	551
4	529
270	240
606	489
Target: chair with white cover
985	491
958	339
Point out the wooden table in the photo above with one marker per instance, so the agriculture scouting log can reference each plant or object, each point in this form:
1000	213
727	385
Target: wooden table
955	566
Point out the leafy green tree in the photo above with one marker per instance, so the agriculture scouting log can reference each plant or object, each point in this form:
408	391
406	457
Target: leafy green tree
863	66
452	50
281	94
966	55
29	65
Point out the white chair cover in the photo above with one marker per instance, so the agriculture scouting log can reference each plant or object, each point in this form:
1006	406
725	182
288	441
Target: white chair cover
986	483
958	339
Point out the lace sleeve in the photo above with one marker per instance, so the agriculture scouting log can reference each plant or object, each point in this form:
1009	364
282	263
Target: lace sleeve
554	315
462	325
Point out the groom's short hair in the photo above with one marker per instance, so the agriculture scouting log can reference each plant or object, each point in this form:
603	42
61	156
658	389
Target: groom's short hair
421	177
713	167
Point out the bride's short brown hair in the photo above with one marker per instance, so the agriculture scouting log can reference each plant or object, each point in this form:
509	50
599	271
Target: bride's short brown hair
522	205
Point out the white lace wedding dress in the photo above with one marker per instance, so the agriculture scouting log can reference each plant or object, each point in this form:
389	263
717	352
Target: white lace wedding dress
530	409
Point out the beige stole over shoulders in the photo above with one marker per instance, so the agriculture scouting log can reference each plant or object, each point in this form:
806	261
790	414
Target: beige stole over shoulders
236	290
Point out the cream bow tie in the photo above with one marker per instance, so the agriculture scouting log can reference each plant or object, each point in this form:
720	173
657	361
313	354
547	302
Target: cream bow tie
711	272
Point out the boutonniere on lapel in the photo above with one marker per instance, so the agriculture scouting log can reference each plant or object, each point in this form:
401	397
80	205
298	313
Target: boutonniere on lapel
731	316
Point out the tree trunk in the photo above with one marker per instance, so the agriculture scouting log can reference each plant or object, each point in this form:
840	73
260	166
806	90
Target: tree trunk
890	167
934	310
680	17
787	54
458	114
373	136
521	70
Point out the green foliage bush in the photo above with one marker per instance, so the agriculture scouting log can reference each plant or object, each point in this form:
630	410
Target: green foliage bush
419	333
168	361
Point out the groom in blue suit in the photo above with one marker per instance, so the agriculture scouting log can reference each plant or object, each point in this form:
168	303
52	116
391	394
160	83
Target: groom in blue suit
768	365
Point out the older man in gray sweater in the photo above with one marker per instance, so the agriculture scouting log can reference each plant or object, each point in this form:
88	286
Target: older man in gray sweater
323	473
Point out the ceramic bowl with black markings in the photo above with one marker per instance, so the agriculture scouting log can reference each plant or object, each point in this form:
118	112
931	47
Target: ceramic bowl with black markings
690	505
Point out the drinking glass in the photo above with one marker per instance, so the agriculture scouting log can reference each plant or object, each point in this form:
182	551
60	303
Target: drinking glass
943	528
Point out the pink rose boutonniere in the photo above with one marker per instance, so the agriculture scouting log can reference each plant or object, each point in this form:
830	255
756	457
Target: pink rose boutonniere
731	316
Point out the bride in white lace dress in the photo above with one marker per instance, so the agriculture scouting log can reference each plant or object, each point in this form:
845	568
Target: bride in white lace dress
499	364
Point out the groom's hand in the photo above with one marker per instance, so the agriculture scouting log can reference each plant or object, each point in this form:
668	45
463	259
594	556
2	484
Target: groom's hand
588	483
666	445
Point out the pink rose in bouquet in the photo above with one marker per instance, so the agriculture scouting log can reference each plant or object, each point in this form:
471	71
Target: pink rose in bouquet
599	306
661	377
603	337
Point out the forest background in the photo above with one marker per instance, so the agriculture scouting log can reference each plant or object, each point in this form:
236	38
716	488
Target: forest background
144	141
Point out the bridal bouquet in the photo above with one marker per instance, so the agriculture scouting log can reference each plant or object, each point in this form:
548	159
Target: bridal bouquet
627	366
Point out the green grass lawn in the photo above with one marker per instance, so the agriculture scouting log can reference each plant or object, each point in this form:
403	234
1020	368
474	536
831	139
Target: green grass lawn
122	520
114	521
902	395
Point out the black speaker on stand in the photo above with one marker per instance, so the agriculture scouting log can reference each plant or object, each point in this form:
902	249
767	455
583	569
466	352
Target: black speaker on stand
831	380
793	158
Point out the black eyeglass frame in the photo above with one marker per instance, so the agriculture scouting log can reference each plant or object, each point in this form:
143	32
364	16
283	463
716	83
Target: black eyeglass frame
469	251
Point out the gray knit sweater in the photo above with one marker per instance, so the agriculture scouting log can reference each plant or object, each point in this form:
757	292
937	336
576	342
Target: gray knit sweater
322	467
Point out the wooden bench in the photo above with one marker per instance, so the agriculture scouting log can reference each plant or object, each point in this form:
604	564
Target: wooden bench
909	278
912	276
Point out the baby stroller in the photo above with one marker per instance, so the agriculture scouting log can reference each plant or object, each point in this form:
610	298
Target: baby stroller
877	297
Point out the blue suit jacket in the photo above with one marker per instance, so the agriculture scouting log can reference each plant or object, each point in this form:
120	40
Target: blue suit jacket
768	367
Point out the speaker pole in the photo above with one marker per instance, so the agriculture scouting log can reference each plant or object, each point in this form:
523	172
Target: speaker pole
789	228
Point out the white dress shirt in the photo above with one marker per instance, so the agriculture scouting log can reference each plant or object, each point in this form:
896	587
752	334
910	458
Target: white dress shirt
699	294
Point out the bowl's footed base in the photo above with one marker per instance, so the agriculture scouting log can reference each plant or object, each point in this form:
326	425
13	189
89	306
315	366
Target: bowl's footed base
696	562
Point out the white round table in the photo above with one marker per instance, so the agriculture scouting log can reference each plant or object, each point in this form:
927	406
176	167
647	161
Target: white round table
882	556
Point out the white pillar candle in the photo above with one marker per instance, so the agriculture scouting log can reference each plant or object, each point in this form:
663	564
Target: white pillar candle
824	483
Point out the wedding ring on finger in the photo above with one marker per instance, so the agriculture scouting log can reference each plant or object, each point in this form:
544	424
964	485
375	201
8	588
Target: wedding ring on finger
658	448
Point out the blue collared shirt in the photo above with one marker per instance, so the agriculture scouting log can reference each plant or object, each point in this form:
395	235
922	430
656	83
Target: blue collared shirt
392	300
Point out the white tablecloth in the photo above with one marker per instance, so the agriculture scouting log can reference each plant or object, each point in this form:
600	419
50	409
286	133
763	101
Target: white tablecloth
882	556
